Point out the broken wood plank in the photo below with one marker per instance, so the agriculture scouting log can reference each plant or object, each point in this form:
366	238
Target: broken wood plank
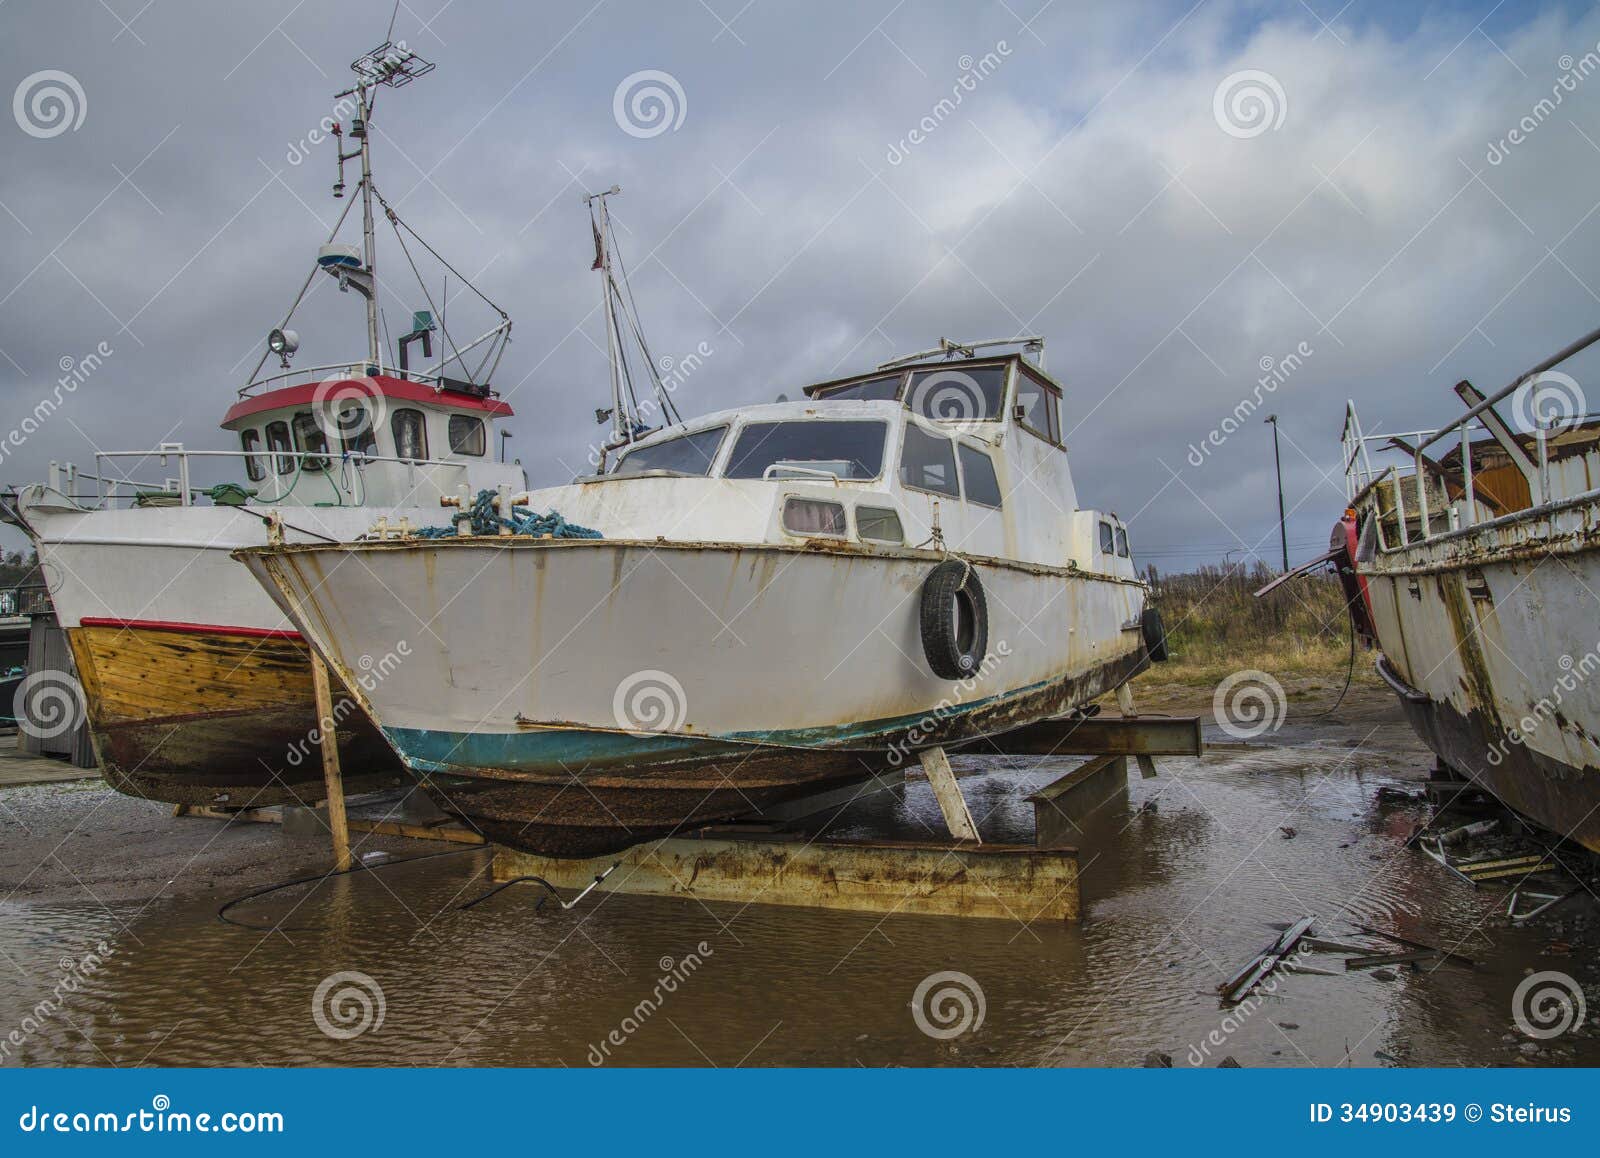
1409	957
1326	946
1395	937
1265	961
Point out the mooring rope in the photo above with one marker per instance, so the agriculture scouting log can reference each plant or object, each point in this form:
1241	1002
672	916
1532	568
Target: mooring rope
485	520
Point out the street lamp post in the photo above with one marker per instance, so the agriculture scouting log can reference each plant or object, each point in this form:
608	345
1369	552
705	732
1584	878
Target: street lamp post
1277	462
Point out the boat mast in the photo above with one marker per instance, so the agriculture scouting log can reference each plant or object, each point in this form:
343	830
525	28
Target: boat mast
368	239
621	419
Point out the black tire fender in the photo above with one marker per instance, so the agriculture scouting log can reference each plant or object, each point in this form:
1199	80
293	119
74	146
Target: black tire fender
1155	634
954	620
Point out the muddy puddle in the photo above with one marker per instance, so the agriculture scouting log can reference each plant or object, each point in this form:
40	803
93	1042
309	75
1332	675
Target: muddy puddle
1183	881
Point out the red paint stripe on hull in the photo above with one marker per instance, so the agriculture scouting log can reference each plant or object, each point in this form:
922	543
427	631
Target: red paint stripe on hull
190	628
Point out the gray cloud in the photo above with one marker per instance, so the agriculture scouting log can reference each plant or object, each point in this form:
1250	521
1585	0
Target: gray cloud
1082	189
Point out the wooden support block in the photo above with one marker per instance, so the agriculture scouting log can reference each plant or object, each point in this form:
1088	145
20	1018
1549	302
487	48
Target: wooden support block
327	735
948	793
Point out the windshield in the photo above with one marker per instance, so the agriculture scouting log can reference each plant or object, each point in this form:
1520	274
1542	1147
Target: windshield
885	389
808	449
691	454
958	395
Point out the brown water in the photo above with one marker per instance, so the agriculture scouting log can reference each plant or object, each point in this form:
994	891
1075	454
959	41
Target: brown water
1178	898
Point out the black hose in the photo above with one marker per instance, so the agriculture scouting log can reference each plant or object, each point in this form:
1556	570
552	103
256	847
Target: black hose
222	913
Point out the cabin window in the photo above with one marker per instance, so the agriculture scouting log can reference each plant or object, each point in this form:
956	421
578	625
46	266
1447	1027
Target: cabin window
278	442
355	426
808	449
1038	408
466	435
251	441
977	477
1108	540
1122	542
309	438
884	389
410	434
690	455
879	523
952	395
813	517
928	462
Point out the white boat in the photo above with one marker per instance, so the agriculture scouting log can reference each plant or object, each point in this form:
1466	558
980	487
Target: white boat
1473	563
782	596
197	689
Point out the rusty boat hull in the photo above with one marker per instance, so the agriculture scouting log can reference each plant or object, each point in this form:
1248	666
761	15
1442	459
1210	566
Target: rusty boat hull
572	698
1491	639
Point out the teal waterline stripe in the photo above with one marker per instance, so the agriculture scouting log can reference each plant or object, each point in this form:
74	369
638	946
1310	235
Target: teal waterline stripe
438	750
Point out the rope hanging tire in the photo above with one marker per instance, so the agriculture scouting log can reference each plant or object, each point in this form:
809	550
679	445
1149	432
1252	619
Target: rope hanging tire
954	620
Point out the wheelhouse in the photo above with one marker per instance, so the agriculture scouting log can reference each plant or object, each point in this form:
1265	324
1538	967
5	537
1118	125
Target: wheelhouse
368	439
968	453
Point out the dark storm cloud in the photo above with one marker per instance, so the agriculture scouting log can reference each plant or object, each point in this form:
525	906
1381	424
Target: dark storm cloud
847	182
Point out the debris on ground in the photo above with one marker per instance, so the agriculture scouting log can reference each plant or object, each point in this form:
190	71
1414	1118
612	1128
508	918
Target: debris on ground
1264	962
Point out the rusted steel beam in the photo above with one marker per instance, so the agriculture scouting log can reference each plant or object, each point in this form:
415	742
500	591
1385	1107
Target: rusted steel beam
1067	810
1135	736
1010	882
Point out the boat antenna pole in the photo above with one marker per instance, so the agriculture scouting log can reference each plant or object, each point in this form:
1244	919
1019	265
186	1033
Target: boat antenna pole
393	65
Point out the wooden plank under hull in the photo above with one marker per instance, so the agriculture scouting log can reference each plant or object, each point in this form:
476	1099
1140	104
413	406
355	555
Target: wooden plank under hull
204	716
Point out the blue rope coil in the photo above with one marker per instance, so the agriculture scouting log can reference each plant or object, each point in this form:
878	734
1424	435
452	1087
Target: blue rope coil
483	520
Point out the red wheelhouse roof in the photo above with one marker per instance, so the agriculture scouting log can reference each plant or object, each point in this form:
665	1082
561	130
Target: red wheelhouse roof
398	389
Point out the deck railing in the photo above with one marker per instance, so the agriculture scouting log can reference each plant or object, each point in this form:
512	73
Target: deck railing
1362	478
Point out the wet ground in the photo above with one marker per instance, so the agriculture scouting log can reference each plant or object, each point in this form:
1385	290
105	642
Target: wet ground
111	950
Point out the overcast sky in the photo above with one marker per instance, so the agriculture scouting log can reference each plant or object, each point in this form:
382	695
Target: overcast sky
1098	182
